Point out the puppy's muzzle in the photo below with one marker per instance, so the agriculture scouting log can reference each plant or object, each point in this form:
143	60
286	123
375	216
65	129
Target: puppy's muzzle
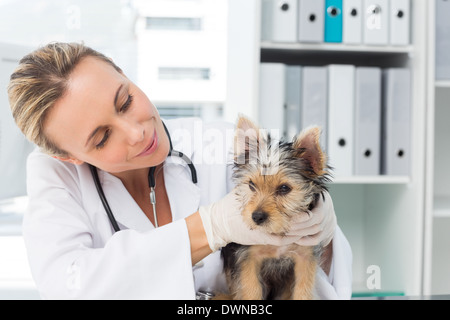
259	217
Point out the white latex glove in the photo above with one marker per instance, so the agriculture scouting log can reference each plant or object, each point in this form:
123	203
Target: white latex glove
223	223
319	227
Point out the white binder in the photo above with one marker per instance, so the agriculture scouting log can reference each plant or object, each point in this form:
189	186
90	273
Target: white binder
353	21
293	101
314	93
367	121
400	16
311	20
341	81
376	22
272	97
279	20
396	139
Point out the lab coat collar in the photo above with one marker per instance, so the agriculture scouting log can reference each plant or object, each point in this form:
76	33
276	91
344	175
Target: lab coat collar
125	210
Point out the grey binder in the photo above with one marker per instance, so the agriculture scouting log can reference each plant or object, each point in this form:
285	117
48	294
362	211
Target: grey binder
442	40
396	132
293	101
314	99
311	20
367	121
279	20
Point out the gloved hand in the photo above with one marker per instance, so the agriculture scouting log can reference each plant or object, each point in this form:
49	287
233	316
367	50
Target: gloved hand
223	223
319	227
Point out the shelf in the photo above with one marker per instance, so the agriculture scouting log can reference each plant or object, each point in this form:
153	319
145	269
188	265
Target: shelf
441	208
360	290
372	180
442	84
336	47
335	53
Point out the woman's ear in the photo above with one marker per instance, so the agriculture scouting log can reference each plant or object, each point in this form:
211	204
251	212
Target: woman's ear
70	160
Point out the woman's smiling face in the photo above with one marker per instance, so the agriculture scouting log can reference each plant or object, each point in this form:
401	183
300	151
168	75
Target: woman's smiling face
107	121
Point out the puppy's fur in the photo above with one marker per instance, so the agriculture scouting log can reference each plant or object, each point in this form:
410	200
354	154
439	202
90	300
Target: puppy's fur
275	182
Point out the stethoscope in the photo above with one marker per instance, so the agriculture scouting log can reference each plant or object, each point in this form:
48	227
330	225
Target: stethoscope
151	183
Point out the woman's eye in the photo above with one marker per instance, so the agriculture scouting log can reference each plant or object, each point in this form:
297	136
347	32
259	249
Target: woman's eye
105	138
127	103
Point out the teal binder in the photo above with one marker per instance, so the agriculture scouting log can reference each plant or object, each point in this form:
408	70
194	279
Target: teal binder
333	21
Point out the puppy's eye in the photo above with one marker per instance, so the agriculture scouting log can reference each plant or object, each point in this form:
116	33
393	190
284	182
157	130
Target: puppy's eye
284	189
313	203
251	185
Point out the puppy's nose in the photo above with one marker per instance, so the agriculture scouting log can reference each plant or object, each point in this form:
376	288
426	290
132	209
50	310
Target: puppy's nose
259	217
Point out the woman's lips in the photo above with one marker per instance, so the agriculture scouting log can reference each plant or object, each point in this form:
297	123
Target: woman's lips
151	147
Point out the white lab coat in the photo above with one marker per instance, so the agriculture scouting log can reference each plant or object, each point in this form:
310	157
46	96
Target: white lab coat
74	252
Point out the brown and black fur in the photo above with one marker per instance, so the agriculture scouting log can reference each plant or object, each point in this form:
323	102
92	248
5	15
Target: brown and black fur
275	182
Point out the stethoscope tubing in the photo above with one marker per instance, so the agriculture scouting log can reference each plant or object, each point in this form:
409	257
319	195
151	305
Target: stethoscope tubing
102	196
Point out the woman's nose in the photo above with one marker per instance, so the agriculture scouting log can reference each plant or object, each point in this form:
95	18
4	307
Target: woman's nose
133	131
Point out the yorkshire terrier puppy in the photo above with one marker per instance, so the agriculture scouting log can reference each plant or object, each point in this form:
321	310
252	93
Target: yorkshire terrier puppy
276	181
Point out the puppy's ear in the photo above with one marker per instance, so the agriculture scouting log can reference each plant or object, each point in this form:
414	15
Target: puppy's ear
246	139
307	145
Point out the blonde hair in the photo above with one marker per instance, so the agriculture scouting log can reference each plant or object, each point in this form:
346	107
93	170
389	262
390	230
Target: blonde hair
38	82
